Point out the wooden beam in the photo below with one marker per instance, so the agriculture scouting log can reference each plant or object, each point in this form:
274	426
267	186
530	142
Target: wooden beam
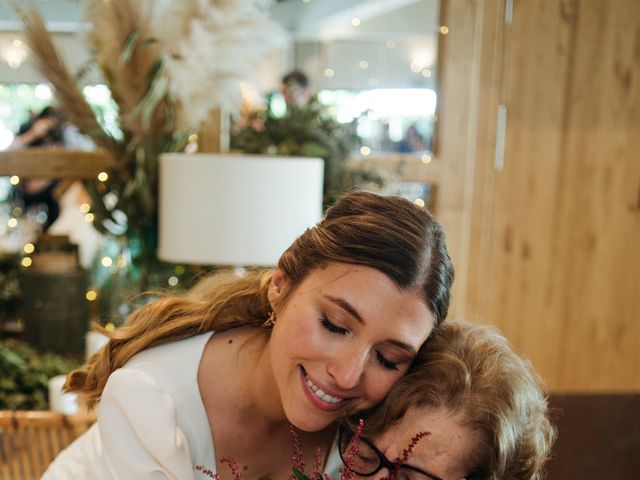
54	163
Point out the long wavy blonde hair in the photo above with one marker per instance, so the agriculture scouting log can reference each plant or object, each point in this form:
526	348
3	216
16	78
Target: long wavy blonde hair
388	233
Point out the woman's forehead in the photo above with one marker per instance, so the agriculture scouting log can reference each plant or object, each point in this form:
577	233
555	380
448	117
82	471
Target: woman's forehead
445	451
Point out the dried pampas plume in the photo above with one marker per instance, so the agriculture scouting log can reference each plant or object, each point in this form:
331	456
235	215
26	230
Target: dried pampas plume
132	62
215	45
52	66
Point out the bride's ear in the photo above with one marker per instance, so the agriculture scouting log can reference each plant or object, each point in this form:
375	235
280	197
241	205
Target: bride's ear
277	286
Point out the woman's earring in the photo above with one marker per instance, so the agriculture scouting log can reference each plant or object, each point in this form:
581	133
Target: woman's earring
270	321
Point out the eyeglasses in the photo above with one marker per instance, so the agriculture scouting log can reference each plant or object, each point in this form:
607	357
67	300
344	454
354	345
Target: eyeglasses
368	460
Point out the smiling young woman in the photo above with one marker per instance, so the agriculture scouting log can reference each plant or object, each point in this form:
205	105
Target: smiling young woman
348	307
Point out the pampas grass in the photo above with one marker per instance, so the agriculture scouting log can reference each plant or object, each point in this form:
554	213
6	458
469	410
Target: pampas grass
168	64
52	66
215	45
131	60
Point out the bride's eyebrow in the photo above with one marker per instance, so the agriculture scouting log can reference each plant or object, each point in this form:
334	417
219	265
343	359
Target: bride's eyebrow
342	303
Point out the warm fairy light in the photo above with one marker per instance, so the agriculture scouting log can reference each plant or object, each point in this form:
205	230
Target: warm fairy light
426	158
17	43
91	295
426	73
179	270
12	222
103	176
363	64
85	207
329	72
391	44
26	262
444	30
15	180
106	261
419	202
364	150
16	212
89	217
121	262
193	137
28	248
173	281
415	67
110	327
355	22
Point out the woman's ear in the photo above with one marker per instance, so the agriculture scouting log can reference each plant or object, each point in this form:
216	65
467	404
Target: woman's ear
277	286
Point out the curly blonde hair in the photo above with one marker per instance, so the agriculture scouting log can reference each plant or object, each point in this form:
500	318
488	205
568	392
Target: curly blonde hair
471	369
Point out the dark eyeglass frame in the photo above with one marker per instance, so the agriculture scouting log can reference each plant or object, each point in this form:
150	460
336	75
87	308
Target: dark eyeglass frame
383	462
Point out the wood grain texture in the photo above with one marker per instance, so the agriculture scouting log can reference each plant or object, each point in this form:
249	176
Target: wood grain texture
54	163
552	255
458	71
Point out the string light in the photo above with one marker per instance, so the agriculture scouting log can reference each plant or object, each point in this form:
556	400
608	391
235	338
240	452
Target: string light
179	270
28	248
12	223
329	72
426	158
444	30
121	262
419	202
193	137
103	176
89	217
26	262
85	207
355	22
426	73
106	261
364	150
363	64
91	295
173	281
14	180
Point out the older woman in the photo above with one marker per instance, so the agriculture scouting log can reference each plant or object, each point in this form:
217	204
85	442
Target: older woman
470	407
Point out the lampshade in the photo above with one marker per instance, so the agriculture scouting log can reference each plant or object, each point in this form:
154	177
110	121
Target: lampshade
238	210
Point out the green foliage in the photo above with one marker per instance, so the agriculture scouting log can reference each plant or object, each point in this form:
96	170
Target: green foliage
308	131
24	373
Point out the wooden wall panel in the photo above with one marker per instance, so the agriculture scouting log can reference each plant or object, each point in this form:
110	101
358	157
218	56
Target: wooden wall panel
523	295
548	248
458	73
599	219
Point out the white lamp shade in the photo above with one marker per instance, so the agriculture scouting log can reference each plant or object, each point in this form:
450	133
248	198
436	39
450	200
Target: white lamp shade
239	210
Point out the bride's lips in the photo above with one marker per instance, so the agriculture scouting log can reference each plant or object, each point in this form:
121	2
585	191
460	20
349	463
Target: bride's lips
320	398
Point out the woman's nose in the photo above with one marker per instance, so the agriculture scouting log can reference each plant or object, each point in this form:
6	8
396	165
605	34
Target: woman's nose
347	368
